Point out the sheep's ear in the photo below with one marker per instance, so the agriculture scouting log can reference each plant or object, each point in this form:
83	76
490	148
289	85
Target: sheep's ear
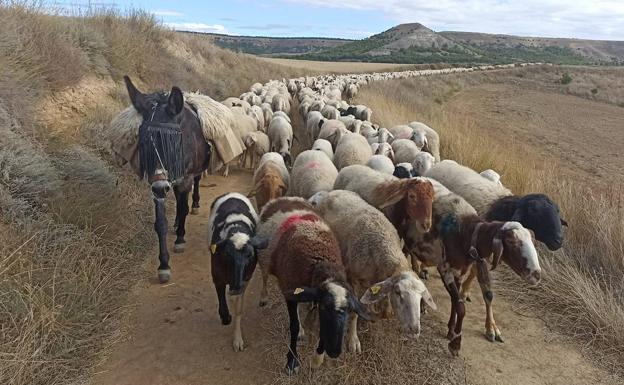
429	300
303	294
137	98
377	292
564	223
358	308
175	104
259	243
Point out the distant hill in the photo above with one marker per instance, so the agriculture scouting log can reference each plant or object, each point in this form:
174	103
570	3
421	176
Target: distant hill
269	46
414	43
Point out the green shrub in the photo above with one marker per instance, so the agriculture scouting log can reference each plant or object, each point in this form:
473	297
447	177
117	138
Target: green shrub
566	79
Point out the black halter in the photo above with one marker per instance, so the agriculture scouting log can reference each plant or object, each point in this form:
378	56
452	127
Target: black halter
161	147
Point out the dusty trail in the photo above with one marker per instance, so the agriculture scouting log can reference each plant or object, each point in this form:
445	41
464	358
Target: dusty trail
175	336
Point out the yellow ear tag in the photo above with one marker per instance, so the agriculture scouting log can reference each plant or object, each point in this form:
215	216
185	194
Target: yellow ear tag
298	291
375	289
213	248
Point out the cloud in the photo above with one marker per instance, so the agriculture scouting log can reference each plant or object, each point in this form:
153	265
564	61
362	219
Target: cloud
197	27
601	19
268	27
165	12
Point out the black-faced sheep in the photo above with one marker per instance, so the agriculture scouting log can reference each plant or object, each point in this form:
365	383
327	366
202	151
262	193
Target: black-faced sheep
304	256
233	254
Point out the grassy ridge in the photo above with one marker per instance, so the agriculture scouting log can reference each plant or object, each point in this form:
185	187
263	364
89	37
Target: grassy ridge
75	232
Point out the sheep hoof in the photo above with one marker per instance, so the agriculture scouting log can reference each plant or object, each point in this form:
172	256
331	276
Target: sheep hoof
490	335
179	247
424	274
226	319
355	346
292	367
497	335
317	360
263	302
194	210
164	275
467	299
238	344
454	346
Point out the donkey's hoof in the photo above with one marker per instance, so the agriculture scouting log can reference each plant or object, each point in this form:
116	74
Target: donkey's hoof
164	275
179	247
194	210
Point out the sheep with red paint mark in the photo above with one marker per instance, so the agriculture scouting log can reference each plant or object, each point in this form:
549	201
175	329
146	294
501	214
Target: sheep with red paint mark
304	255
233	247
312	172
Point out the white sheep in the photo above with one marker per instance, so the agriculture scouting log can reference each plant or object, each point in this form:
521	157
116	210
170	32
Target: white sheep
313	124
491	175
267	111
431	138
352	149
312	172
372	253
405	151
477	190
257	144
422	163
281	136
330	112
324	146
332	130
381	163
280	103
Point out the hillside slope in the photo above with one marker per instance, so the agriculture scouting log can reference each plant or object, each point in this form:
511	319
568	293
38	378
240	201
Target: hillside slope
413	43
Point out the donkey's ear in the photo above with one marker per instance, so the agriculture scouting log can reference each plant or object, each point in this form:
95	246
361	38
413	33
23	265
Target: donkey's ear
175	104
136	97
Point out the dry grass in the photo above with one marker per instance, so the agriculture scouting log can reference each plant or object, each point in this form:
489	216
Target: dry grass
74	231
582	293
337	67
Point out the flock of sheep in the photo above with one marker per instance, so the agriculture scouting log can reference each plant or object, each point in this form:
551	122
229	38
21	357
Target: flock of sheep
352	223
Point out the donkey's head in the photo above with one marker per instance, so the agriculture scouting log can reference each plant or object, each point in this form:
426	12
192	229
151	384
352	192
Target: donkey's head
157	107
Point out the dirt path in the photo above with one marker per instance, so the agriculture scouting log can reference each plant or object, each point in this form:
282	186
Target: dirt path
175	336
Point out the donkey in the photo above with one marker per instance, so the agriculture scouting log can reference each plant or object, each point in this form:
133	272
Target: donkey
172	153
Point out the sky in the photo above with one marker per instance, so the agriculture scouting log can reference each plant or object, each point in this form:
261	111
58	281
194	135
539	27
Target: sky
357	19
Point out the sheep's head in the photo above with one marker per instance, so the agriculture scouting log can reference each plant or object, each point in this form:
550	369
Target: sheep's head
422	163
540	214
239	251
405	291
335	301
419	202
514	244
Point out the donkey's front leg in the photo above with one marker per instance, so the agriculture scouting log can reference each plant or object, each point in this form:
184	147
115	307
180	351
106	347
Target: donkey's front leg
182	210
159	191
195	205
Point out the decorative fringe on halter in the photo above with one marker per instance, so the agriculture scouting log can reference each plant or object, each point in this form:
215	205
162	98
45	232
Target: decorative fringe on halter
160	146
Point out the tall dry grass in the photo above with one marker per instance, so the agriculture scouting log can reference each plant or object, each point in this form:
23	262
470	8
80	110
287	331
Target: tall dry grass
582	292
75	232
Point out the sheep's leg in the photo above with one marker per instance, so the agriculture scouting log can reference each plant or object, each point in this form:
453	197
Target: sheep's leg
302	335
492	333
226	171
318	358
386	308
458	310
195	205
292	358
264	295
466	285
224	312
237	342
354	341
